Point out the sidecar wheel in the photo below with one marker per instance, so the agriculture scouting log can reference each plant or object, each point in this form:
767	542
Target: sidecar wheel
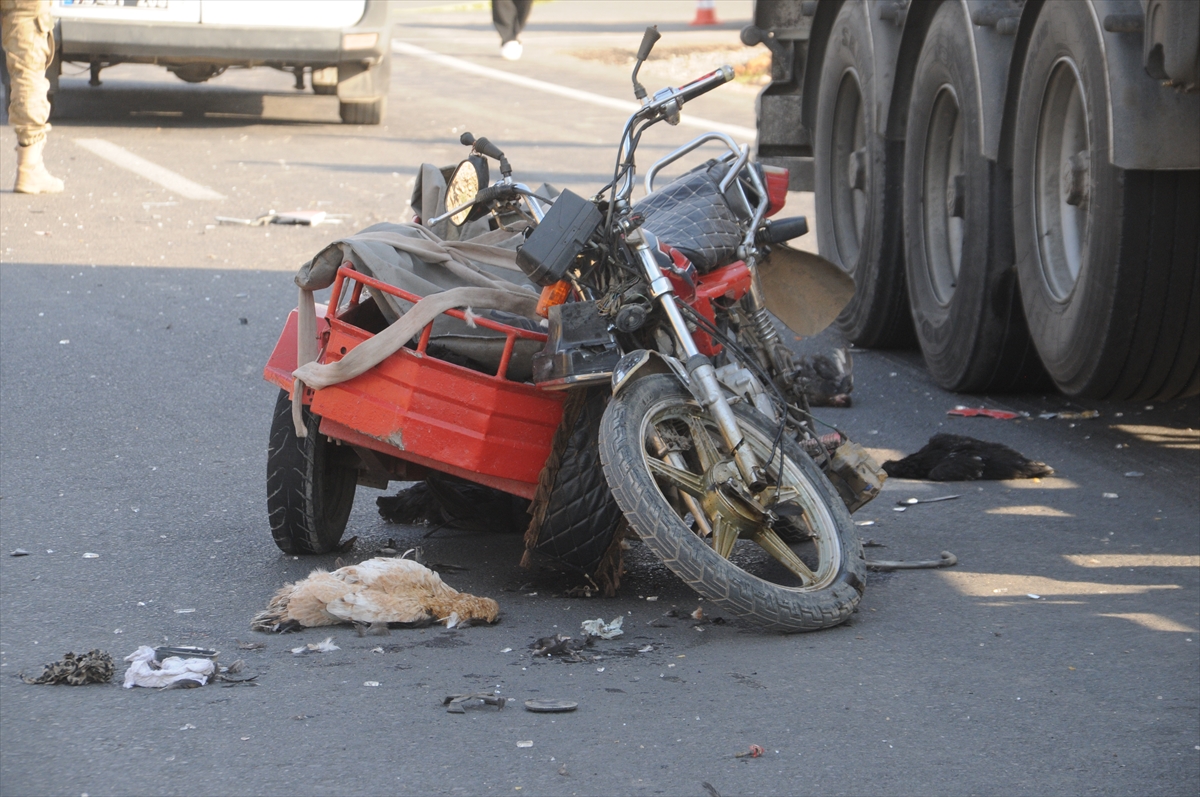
310	484
780	581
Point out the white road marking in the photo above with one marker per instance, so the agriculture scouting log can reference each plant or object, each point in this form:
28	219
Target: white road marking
625	106
151	171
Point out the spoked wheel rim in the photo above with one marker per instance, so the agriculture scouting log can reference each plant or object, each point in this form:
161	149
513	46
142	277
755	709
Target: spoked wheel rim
1061	179
944	188
793	544
849	170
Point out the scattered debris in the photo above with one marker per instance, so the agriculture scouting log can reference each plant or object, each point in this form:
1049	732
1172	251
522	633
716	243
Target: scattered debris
91	556
550	706
444	500
184	611
19	552
184	652
370	683
946	559
563	771
951	457
528	743
864	522
698	614
93	667
560	644
1033	596
598	628
308	218
250	645
755	751
826	380
646	649
984	412
146	670
1070	416
911	501
325	646
1133	474
506	650
873	544
455	703
652	598
711	789
380	590
1111	495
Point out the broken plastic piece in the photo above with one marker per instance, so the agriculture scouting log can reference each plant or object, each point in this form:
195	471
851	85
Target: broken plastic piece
145	670
454	703
598	627
911	501
19	552
972	412
548	706
755	751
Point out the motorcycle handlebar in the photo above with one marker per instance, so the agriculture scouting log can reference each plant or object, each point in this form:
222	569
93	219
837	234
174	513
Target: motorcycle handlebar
704	84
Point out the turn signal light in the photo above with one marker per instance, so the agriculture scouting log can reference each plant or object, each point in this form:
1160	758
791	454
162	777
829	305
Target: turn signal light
556	293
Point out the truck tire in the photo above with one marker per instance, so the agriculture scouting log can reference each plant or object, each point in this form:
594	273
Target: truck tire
962	287
310	484
368	112
858	218
741	565
1107	258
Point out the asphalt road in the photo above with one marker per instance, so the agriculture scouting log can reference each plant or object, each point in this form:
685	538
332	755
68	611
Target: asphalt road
133	425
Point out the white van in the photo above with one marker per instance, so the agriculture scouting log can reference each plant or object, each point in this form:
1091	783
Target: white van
343	46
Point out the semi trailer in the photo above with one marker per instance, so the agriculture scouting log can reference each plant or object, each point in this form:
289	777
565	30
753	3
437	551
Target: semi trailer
1013	185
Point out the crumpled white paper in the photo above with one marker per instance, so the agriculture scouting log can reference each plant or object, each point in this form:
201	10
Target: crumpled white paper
145	671
598	627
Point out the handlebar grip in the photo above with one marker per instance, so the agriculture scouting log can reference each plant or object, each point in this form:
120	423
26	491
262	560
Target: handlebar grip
648	39
705	84
493	192
780	230
488	148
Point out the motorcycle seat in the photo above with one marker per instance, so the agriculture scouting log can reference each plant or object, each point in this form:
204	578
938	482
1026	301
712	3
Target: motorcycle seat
692	215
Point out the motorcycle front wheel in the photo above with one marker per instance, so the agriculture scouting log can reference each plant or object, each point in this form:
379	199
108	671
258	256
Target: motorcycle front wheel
785	557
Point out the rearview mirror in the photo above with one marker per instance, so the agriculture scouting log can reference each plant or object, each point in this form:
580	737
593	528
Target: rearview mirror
464	185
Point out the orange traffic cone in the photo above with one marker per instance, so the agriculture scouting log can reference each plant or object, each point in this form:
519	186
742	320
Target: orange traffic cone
706	13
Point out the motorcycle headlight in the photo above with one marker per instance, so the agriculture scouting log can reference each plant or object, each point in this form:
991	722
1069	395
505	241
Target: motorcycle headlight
468	178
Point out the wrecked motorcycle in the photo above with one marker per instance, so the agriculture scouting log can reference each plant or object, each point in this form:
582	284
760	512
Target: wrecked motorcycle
659	398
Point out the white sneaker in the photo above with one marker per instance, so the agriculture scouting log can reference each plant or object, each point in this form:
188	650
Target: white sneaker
511	51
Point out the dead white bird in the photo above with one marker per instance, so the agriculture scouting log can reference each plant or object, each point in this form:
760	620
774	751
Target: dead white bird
377	591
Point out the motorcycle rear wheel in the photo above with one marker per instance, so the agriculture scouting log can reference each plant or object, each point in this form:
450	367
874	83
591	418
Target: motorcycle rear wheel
777	579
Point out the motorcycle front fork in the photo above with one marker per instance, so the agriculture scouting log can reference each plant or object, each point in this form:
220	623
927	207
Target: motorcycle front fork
704	378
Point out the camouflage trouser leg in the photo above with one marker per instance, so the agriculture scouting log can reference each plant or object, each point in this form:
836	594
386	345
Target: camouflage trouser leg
27	35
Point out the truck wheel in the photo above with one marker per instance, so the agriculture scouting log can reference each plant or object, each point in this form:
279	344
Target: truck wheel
1107	258
858	222
310	484
369	112
962	288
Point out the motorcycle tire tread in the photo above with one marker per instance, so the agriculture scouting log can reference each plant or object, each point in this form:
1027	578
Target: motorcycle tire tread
765	604
575	518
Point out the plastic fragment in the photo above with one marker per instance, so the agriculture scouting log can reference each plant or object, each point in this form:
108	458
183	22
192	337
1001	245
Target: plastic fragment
600	629
1033	596
755	751
1133	474
19	552
972	412
370	683
1111	495
528	743
91	556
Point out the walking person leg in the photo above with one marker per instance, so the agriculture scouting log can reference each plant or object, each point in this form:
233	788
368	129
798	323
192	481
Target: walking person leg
509	17
27	36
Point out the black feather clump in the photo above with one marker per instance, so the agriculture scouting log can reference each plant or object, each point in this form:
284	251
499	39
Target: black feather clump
446	500
955	458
